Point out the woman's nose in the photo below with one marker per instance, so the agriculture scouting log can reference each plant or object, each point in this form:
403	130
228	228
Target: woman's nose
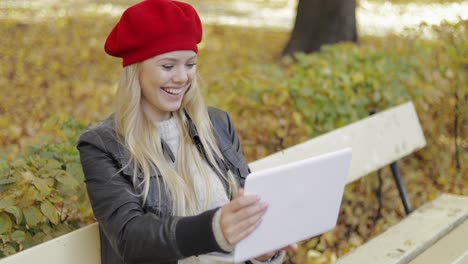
181	75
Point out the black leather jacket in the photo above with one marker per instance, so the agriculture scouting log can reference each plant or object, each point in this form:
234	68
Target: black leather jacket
135	233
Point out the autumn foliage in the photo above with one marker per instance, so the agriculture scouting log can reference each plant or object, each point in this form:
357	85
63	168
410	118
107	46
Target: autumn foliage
56	80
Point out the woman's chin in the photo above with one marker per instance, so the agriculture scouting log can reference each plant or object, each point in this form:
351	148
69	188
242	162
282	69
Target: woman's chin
173	107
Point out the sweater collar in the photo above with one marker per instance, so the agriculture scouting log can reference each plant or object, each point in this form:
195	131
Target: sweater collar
192	129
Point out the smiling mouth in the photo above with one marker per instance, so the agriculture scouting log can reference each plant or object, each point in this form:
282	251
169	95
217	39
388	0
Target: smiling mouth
172	91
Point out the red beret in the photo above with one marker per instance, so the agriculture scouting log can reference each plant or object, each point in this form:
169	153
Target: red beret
154	27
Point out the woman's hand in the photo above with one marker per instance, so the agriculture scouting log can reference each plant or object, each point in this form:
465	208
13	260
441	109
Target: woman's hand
268	256
241	216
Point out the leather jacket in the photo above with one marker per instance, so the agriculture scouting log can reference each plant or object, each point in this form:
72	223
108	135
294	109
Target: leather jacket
135	233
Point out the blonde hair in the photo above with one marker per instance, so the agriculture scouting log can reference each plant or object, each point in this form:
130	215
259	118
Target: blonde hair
142	139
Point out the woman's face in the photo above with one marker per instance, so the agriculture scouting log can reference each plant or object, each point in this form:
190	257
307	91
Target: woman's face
164	79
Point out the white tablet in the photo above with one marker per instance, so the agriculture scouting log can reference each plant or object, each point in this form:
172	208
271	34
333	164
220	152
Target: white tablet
304	200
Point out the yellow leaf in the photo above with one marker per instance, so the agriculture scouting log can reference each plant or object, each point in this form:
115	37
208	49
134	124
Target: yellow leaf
41	185
311	253
18	236
5	223
16	212
30	196
4	121
33	216
49	211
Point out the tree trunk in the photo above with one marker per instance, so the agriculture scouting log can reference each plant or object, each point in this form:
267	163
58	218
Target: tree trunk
320	22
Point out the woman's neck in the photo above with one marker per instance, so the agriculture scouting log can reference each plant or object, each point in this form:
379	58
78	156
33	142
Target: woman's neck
155	115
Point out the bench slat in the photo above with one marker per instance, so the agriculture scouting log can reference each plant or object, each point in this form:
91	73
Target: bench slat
77	247
410	237
447	250
377	141
462	259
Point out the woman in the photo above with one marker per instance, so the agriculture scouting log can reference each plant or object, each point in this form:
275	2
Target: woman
164	172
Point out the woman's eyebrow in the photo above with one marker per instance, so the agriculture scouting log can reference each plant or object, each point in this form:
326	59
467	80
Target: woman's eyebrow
175	59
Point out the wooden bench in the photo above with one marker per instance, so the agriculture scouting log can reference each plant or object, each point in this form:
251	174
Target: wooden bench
377	141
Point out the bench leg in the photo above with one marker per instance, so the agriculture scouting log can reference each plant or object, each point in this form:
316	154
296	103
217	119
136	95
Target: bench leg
401	188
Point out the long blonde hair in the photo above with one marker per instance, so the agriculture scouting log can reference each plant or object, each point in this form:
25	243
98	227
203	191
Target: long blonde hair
142	139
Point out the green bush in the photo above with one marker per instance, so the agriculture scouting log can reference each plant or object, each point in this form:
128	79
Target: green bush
41	193
321	91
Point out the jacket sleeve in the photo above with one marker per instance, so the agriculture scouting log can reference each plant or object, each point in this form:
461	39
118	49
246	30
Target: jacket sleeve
134	235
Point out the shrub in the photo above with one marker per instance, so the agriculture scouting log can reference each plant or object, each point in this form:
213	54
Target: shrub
41	193
313	94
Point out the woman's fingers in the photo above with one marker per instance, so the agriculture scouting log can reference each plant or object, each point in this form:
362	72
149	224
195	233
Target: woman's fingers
241	233
234	227
245	212
241	202
292	247
241	216
266	256
271	254
238	225
240	192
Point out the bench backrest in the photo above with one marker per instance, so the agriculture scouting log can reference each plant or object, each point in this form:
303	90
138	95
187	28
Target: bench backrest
77	247
377	141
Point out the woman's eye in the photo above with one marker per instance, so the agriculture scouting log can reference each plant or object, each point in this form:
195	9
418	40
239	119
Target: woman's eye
167	67
191	65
